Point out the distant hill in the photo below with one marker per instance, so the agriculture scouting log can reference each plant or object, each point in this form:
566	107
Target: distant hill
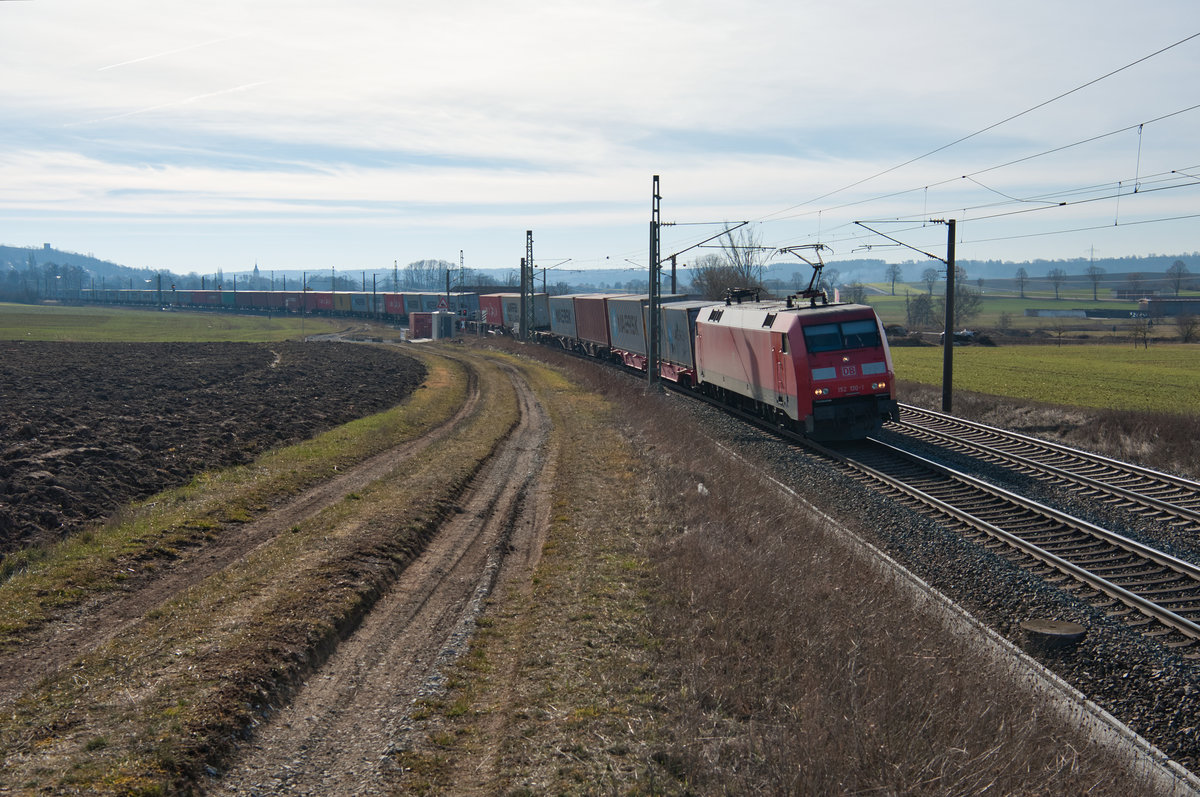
1151	268
15	258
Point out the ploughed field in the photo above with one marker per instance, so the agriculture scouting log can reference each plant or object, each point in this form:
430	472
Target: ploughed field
86	427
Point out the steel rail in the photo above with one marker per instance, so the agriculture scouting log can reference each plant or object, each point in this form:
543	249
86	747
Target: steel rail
1149	502
1134	601
1098	459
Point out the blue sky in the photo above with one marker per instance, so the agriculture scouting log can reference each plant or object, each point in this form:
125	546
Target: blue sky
358	134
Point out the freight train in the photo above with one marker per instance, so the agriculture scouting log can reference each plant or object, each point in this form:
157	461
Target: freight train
821	369
818	368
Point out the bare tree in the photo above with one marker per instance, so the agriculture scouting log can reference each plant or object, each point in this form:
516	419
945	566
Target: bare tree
1134	279
712	276
1177	274
919	311
1188	326
1022	276
1059	327
893	274
967	302
1094	273
745	254
856	293
930	276
427	274
1056	276
1140	332
831	278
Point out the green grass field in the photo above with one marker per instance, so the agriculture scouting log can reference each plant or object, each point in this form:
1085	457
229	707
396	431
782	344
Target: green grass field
51	322
1164	378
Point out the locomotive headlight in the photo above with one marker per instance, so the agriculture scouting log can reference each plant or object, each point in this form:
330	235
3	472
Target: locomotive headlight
879	385
821	391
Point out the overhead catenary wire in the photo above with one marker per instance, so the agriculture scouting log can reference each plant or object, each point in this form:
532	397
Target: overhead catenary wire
949	180
983	130
1153	183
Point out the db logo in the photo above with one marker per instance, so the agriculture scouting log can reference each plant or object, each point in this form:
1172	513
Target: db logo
849	370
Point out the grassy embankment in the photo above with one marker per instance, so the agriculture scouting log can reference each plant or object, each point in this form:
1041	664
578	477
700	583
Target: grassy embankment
146	711
683	641
80	324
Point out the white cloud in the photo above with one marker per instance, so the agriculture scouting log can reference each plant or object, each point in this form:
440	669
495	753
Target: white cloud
468	119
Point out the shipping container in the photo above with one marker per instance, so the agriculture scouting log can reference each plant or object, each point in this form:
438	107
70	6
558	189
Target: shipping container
591	319
393	304
627	322
677	338
491	309
512	310
321	301
465	304
562	316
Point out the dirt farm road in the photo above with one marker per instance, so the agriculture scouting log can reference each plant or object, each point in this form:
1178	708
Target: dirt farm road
475	483
335	736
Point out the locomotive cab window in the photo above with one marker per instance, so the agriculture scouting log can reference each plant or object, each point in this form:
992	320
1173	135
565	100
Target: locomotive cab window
846	335
860	334
822	337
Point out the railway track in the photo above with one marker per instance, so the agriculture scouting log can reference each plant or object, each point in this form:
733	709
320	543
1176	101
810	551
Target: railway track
1151	591
1156	496
1155	593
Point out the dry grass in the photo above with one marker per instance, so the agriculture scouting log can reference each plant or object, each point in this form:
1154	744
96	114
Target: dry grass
559	692
719	642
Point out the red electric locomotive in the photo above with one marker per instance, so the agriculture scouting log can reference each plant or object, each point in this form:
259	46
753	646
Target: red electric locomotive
824	370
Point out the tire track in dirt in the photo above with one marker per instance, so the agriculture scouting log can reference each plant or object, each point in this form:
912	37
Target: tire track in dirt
93	623
335	736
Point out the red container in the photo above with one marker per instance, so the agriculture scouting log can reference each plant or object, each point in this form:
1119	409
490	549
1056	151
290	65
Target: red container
591	318
393	304
491	309
420	326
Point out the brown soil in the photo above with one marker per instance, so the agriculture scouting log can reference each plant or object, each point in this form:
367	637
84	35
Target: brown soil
89	625
86	427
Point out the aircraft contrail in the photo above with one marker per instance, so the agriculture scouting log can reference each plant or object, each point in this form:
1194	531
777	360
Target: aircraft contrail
169	104
170	52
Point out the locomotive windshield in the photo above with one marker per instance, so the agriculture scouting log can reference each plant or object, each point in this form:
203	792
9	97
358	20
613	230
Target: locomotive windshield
845	335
